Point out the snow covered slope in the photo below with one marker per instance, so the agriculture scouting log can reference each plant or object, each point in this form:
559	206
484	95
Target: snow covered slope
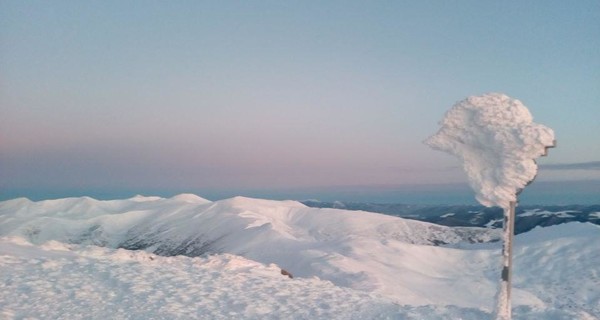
59	281
331	244
392	260
182	223
528	216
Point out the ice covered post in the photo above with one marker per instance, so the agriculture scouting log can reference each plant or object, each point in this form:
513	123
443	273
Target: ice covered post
498	142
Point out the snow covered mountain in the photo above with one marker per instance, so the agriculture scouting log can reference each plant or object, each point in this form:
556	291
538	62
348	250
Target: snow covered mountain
528	217
409	269
329	243
189	225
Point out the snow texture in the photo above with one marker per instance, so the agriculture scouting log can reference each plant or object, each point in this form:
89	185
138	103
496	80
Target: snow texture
497	141
546	213
331	244
346	264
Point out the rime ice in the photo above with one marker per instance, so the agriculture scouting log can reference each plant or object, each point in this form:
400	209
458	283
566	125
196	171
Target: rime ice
497	140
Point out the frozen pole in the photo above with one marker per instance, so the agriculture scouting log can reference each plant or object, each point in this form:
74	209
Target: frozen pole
498	142
508	234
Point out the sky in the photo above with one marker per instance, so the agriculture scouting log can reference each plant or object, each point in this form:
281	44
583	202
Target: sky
119	97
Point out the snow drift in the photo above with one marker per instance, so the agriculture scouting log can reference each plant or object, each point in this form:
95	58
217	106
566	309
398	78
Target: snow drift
357	263
331	244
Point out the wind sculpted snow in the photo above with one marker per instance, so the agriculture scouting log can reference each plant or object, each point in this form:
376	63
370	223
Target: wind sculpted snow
497	141
348	255
328	243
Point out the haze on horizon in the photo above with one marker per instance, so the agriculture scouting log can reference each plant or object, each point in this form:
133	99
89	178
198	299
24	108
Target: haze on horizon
269	95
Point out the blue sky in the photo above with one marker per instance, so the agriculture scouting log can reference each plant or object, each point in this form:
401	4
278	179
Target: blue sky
265	95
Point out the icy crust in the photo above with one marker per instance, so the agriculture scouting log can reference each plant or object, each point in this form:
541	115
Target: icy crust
557	279
497	141
60	281
384	267
332	244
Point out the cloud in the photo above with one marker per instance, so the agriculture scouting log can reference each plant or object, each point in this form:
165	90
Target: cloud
592	165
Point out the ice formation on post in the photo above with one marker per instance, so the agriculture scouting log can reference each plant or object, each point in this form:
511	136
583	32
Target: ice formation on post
497	141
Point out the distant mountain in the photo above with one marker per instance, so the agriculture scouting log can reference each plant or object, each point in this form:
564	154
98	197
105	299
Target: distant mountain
190	225
331	244
451	272
528	217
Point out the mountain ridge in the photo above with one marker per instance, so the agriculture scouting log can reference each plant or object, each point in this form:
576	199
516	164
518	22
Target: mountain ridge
527	216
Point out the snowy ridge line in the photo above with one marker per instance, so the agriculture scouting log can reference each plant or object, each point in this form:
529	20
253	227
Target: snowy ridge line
104	222
475	216
393	258
327	243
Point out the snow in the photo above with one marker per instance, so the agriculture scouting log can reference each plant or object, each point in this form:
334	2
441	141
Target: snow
74	282
59	259
545	213
141	198
497	141
492	222
191	198
329	243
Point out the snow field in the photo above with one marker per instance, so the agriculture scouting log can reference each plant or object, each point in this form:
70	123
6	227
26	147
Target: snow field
58	259
58	281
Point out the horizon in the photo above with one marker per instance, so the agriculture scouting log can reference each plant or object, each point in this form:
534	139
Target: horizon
546	193
111	97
